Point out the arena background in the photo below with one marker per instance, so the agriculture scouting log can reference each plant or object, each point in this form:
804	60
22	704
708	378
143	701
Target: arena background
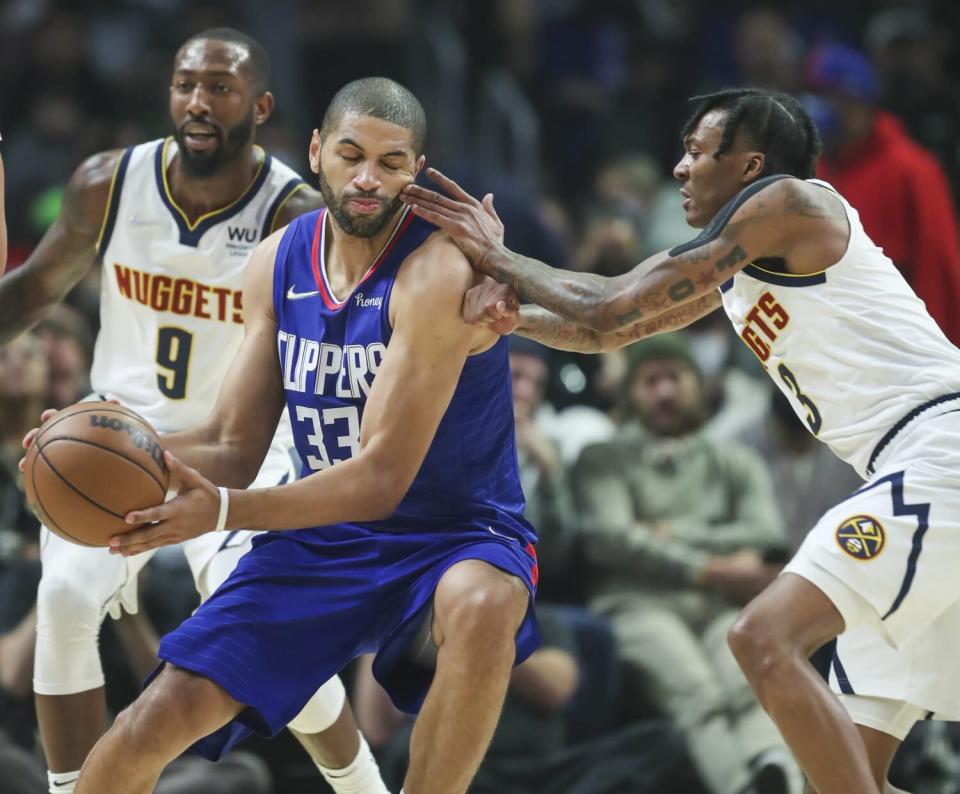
569	112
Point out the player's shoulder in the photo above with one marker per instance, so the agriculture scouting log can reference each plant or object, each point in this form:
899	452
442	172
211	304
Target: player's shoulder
303	200
96	172
439	266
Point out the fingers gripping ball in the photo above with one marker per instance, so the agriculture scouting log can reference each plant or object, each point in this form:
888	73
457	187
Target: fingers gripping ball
90	464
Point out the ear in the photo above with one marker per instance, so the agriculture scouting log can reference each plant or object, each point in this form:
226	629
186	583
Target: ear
314	152
421	162
753	166
262	108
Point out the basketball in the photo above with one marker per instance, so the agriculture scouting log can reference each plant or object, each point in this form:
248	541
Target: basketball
91	464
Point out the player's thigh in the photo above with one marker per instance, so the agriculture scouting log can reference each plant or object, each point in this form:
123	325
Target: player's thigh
893	543
80	579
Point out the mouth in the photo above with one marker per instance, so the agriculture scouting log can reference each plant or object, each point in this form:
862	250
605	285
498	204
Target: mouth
365	206
200	137
687	198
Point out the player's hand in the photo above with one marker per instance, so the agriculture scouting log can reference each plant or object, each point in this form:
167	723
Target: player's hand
192	513
493	305
31	435
473	225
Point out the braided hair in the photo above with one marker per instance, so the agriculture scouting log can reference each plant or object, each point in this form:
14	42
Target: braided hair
775	123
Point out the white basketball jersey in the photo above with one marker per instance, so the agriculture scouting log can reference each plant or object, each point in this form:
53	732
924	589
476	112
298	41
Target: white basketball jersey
852	347
171	315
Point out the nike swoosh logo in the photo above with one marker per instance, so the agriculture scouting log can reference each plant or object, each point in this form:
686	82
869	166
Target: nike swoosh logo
293	295
66	783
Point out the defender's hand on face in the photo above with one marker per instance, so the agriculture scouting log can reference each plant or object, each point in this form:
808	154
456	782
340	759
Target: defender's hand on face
493	305
193	513
473	225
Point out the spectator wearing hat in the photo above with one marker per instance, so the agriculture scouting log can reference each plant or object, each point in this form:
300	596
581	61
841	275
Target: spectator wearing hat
897	186
676	530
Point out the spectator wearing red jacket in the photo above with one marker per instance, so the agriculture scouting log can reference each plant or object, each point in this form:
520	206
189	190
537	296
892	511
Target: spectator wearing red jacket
897	186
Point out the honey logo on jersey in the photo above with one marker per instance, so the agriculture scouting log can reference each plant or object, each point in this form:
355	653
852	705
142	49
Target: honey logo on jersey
861	537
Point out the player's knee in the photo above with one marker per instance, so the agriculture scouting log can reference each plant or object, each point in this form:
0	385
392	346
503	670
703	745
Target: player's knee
757	646
486	616
65	606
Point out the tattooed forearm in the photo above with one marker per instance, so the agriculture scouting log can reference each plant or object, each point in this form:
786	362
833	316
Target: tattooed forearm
737	254
557	332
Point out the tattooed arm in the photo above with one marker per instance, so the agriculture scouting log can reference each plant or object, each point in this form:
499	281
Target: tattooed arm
560	333
767	221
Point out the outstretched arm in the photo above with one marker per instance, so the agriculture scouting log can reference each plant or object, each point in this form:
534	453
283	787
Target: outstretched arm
66	252
560	333
757	228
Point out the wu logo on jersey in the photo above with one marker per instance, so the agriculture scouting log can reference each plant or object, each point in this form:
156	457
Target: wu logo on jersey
236	234
861	537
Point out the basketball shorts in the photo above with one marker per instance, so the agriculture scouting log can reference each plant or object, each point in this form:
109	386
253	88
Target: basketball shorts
304	603
887	557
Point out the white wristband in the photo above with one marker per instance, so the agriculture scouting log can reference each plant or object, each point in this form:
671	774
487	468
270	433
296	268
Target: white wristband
224	507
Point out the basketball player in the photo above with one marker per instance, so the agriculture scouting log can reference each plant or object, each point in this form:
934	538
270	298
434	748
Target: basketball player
867	370
408	537
173	222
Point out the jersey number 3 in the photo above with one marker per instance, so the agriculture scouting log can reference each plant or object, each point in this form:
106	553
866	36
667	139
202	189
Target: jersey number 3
814	420
348	416
173	359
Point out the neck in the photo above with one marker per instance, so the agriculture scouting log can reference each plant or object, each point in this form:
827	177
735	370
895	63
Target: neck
347	257
197	196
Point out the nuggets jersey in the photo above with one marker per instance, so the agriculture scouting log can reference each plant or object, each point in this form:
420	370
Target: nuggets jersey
852	347
170	304
330	349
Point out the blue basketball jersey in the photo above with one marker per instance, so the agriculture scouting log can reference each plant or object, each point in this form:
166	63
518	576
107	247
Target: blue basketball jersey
330	349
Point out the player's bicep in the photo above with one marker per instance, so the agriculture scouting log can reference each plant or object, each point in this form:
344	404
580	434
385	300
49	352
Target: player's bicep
410	394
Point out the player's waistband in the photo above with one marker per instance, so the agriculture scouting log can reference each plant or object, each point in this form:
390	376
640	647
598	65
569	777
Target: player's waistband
926	410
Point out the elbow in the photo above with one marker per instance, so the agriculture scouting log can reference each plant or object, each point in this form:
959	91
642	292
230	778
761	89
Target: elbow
384	496
601	318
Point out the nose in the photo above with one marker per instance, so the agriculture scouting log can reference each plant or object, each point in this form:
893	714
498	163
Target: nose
367	177
682	169
198	104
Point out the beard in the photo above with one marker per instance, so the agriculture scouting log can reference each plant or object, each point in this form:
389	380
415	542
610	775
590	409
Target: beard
203	165
354	225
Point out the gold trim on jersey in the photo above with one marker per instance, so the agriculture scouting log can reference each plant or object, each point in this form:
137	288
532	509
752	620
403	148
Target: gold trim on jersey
166	188
106	211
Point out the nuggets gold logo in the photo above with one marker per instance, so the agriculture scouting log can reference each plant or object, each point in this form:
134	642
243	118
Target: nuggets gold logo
861	537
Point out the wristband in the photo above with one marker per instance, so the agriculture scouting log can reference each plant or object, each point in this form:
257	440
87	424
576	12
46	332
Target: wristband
224	507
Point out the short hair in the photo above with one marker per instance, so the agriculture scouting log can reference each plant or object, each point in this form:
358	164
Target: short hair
775	123
381	98
258	62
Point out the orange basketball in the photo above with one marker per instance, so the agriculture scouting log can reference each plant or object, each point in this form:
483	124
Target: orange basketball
89	466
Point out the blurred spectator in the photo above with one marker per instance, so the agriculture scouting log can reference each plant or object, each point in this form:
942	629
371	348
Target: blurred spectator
530	752
807	477
910	52
898	187
23	388
3	222
767	50
68	343
677	527
542	472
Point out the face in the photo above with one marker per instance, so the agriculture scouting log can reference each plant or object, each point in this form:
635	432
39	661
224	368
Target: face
529	375
665	394
213	105
23	369
709	182
68	370
363	164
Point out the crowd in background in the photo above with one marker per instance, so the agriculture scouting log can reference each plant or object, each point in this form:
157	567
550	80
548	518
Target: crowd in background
669	481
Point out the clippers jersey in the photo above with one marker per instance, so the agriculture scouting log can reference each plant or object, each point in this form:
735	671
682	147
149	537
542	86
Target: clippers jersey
852	347
330	350
171	315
